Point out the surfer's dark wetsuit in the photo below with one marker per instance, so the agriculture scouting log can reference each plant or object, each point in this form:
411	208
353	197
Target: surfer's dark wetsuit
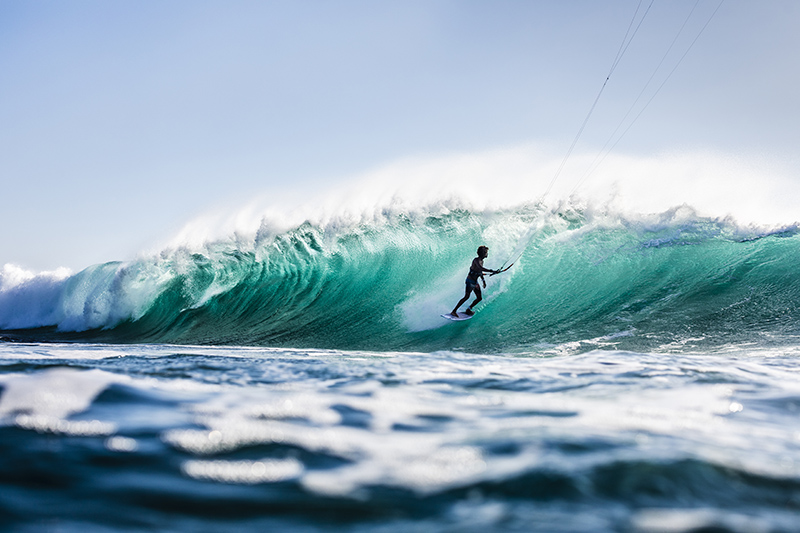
476	271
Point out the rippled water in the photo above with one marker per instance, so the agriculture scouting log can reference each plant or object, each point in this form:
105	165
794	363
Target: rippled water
135	437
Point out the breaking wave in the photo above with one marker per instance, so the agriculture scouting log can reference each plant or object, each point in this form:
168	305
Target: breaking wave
583	277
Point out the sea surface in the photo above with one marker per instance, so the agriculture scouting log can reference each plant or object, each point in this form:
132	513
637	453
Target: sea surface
628	373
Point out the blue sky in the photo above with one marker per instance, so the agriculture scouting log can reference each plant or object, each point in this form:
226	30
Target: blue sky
119	121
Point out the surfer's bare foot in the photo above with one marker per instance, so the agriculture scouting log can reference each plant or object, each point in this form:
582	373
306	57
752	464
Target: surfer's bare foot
469	312
454	313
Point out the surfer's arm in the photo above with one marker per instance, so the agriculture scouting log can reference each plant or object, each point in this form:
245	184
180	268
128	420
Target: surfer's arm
491	273
483	270
477	266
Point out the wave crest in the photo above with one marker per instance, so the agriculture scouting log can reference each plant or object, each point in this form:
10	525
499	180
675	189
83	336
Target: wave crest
584	276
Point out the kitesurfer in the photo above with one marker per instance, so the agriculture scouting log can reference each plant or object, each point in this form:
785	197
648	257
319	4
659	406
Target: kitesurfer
476	271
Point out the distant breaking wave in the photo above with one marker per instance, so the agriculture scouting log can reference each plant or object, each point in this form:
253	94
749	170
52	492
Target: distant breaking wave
584	278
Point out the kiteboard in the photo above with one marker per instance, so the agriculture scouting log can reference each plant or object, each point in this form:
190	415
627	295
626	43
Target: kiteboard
459	318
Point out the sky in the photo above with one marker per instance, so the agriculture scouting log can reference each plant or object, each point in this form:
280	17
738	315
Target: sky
120	121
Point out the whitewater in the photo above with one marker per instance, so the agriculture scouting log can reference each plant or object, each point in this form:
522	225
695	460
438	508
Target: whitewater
282	367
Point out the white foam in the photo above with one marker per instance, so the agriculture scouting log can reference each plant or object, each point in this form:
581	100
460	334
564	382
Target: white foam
59	426
56	393
118	443
244	472
13	276
29	299
43	401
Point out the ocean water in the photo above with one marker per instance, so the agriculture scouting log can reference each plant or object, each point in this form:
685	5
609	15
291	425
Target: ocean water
628	373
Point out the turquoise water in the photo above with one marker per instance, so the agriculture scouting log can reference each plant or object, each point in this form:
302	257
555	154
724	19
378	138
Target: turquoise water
628	373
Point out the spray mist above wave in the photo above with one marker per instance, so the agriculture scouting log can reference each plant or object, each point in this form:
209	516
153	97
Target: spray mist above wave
752	191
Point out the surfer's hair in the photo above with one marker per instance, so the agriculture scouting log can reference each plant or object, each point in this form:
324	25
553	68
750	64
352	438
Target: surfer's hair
483	250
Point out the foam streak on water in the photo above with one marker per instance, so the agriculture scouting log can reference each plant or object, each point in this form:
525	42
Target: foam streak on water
209	438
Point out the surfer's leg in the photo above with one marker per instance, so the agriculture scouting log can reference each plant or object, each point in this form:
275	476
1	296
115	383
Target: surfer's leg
467	292
478	298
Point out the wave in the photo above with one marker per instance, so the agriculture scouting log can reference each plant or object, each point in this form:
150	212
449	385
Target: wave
584	278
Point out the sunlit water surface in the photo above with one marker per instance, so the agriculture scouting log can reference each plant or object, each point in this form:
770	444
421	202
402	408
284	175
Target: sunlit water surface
158	437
